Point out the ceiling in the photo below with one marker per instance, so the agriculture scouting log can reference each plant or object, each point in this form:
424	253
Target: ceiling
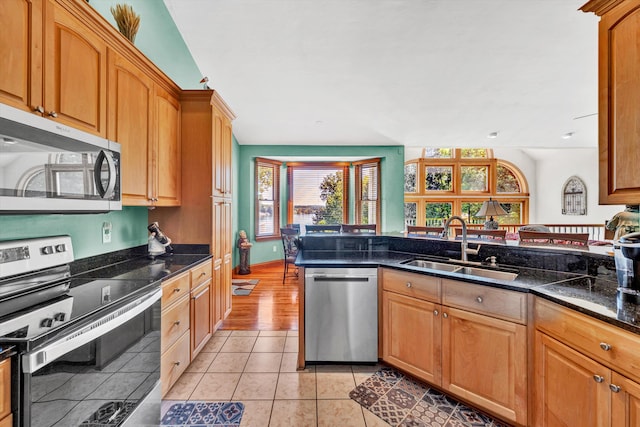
399	72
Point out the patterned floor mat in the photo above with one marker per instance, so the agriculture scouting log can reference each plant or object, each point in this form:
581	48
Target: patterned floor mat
402	401
203	414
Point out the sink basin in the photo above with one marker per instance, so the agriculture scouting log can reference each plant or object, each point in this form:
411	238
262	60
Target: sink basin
433	265
462	269
490	274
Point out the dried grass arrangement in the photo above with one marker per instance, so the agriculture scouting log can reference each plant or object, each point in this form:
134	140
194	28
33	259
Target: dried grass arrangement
128	21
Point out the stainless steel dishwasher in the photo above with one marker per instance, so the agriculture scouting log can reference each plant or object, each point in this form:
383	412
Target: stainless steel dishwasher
341	314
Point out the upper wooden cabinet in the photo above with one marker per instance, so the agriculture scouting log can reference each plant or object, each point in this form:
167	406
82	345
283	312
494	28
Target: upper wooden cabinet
618	99
55	65
166	161
222	117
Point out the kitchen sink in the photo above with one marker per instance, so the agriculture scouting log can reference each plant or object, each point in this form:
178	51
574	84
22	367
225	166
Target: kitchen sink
490	274
433	265
463	269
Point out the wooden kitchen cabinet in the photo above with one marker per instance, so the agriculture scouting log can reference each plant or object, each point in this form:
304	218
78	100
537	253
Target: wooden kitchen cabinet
5	393
167	166
205	212
201	308
618	99
586	371
175	332
53	64
471	340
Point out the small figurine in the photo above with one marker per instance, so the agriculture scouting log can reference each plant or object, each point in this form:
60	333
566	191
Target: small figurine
625	222
244	246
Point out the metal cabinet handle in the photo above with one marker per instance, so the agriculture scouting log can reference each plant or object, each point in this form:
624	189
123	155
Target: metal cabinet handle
598	378
176	363
176	290
203	274
445	315
52	114
408	284
605	346
436	312
39	109
614	388
177	322
479	299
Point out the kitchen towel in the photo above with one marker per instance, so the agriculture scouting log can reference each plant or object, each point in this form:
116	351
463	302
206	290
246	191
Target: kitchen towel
203	414
243	286
403	401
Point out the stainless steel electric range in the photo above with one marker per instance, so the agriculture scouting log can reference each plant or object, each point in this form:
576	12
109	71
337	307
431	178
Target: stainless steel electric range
88	346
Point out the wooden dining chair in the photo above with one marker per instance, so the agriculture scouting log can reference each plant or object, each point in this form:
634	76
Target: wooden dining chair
417	230
481	233
547	238
358	228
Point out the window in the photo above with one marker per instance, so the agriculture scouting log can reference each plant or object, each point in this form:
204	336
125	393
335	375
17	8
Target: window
454	181
318	193
574	197
368	193
267	200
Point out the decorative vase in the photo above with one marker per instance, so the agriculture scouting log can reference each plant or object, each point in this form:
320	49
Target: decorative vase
127	20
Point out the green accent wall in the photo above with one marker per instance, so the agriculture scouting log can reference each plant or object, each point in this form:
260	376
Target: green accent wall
129	229
392	187
159	39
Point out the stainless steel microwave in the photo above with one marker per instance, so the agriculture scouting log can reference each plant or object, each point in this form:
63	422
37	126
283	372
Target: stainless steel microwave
49	167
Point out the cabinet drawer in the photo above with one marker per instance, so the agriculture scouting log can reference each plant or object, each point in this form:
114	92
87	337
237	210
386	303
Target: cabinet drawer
411	284
174	362
200	274
5	388
499	303
174	289
608	344
175	322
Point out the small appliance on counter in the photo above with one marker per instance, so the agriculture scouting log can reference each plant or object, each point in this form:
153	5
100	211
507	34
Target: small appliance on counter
158	244
627	257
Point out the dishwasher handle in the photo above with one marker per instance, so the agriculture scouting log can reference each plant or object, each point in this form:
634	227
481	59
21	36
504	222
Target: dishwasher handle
341	278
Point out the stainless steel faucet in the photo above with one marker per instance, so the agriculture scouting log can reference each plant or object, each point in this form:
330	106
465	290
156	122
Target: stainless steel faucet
464	250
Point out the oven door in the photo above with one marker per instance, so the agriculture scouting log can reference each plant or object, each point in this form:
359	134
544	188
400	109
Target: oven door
105	372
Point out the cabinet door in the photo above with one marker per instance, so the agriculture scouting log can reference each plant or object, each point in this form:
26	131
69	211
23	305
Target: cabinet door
571	389
218	153
200	317
227	146
167	162
227	251
484	361
75	72
130	102
619	101
5	388
625	402
217	298
21	53
411	335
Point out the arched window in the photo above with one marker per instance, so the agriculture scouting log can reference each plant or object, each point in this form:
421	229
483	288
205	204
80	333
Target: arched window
574	197
456	181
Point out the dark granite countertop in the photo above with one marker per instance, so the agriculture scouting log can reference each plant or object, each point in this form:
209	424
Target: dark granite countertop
597	296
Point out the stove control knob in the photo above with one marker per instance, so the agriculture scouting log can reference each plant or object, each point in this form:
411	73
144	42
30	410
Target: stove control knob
46	250
59	317
46	322
61	247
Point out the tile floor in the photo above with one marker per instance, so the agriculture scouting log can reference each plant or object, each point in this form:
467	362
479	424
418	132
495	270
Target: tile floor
258	368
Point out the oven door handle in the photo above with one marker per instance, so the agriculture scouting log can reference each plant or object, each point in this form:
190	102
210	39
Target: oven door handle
41	357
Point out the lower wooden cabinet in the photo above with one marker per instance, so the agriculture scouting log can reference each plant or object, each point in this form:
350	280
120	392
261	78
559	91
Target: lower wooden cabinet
577	367
174	362
469	340
6	419
201	315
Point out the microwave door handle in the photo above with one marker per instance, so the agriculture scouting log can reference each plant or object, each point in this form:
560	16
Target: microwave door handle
105	156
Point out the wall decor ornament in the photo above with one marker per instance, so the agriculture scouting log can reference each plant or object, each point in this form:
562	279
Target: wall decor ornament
574	197
127	20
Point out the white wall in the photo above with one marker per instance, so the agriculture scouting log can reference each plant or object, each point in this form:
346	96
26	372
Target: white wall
546	171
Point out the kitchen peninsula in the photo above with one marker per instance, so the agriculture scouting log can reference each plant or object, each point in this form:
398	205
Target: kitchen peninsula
502	344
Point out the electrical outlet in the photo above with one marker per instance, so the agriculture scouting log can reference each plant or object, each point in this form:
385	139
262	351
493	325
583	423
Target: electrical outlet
106	232
275	248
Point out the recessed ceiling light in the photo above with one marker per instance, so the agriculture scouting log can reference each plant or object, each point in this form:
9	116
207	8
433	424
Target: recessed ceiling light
492	135
567	135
